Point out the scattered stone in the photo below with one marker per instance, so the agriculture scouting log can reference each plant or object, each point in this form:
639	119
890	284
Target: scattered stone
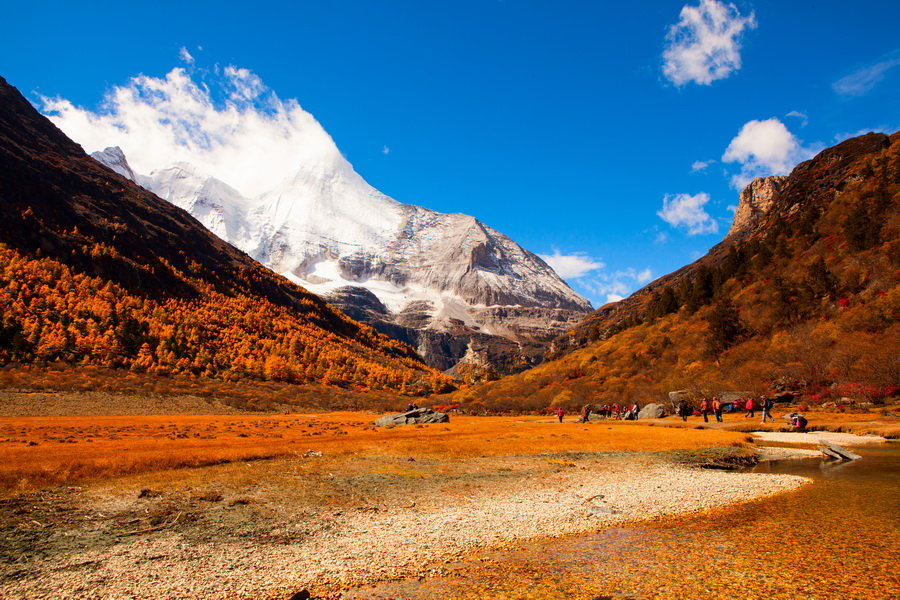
302	595
312	454
148	493
415	416
211	496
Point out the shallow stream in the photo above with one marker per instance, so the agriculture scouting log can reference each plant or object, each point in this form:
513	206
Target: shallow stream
838	538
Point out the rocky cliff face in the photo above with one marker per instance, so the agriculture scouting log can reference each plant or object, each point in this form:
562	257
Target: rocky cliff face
755	202
445	283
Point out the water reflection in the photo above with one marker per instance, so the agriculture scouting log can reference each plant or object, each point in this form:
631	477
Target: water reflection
836	539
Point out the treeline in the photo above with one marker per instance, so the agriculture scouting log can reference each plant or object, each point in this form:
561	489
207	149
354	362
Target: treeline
50	313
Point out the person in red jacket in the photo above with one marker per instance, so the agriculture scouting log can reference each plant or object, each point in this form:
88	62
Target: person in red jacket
750	408
704	410
560	413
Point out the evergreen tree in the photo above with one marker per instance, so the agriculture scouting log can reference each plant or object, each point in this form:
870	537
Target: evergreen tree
725	327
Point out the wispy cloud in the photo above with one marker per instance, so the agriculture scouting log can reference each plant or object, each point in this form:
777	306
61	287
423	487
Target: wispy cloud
700	165
705	44
385	150
764	148
226	122
185	56
804	120
687	212
863	80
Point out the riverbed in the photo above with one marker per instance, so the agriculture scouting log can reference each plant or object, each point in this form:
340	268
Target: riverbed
838	538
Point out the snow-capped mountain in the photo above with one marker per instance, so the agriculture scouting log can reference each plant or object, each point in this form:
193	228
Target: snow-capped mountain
431	279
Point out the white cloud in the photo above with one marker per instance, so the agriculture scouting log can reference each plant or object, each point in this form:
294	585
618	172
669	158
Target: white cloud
385	150
860	82
804	120
228	124
705	44
590	277
700	165
661	238
185	56
617	285
764	148
571	266
684	210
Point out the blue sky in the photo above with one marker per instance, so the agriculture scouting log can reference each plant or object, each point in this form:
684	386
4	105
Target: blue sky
611	137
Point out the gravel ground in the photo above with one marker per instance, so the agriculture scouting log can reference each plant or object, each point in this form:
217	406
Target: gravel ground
382	541
815	437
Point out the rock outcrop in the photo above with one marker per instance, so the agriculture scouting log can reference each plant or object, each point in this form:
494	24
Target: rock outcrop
755	202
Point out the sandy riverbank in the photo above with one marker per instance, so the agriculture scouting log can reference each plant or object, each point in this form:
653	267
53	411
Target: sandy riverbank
269	546
812	438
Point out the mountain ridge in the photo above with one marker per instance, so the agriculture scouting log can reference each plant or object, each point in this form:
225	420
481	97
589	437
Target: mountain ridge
802	299
98	269
440	276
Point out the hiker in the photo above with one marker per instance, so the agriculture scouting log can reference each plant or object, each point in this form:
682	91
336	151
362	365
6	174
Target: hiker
766	404
634	411
798	422
683	410
560	413
748	406
586	413
717	409
704	410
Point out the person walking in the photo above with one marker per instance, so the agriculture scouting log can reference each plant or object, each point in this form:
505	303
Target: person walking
704	410
635	410
560	413
717	408
765	404
683	410
748	406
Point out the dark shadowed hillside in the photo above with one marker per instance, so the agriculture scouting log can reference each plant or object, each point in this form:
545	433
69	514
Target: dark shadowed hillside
802	295
96	270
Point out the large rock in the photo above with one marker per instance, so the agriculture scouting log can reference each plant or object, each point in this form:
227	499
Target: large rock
417	415
652	411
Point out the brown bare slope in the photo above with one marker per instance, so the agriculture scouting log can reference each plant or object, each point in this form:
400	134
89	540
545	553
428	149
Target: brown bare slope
805	297
95	269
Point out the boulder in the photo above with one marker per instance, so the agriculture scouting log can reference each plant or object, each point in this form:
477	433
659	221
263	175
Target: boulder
417	415
652	411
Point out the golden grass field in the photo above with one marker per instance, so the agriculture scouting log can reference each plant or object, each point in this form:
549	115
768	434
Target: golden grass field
42	451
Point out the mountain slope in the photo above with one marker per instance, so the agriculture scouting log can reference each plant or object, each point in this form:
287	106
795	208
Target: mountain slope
96	269
451	286
801	296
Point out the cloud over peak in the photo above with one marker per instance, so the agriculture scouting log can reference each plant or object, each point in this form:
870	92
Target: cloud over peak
705	44
225	122
764	148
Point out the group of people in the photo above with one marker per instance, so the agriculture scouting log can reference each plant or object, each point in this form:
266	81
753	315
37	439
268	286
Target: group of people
605	411
716	408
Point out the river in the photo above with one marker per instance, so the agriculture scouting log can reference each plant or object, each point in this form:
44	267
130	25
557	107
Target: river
836	539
